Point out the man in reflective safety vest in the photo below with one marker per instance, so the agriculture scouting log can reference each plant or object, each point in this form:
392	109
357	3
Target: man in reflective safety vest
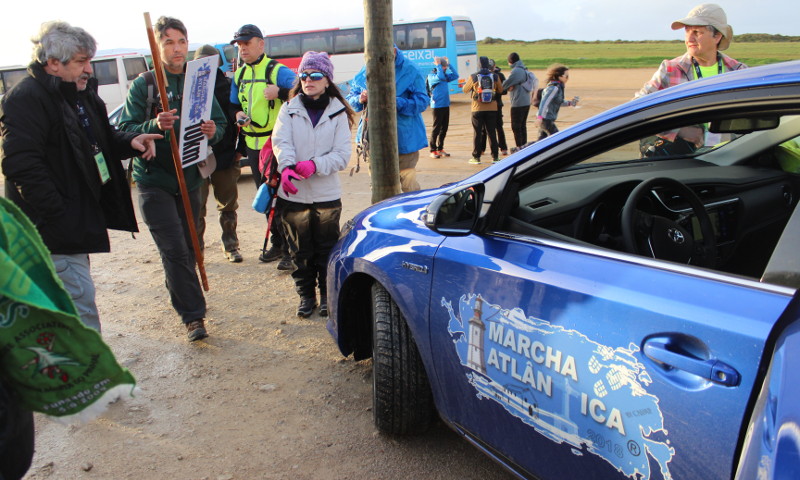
258	90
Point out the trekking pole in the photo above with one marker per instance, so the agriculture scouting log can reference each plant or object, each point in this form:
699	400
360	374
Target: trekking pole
161	83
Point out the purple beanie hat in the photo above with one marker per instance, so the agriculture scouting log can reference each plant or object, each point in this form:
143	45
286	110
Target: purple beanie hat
317	61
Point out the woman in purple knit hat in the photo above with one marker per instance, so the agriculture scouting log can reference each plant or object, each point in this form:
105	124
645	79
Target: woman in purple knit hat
312	142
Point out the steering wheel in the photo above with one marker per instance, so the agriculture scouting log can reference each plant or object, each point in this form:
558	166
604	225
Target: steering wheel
662	237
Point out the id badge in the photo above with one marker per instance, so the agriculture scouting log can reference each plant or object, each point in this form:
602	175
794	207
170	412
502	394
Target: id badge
102	167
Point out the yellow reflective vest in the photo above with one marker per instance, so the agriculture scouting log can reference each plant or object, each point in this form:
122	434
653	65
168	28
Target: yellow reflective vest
251	80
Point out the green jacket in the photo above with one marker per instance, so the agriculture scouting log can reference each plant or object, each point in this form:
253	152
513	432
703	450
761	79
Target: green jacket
160	171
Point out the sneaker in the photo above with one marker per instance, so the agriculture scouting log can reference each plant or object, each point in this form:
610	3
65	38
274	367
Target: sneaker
443	153
495	160
286	263
504	152
306	307
233	256
435	154
196	330
474	161
270	255
514	149
323	306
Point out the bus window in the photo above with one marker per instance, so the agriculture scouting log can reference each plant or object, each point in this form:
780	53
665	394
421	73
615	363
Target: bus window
134	67
465	32
105	71
284	46
348	41
421	35
317	42
11	78
401	37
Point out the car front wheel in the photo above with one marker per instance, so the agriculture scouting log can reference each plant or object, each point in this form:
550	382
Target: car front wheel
402	402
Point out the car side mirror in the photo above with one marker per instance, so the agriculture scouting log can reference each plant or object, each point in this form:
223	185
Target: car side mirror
455	212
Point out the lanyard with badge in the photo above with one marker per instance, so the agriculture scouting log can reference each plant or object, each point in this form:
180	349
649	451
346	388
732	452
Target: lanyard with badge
699	73
99	159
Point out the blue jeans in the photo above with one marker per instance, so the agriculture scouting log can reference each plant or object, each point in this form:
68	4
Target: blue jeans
74	272
163	213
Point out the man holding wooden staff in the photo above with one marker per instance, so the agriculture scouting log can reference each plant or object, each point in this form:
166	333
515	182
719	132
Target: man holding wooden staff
160	202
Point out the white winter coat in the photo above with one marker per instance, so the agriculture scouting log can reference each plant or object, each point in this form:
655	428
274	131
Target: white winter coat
329	144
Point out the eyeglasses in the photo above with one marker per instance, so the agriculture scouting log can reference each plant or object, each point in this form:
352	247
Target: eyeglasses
315	76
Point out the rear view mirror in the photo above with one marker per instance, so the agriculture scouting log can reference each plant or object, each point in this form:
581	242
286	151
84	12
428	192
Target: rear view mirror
744	125
455	212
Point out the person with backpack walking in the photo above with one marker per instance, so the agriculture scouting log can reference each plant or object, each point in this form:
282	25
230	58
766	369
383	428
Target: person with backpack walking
312	142
438	83
411	100
484	87
259	88
160	200
553	99
520	83
226	175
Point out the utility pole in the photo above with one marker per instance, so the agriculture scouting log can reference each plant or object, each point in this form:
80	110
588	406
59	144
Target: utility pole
381	103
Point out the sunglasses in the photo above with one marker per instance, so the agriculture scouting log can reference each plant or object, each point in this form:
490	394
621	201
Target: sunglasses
316	76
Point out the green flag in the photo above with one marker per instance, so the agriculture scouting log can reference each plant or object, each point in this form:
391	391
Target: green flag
57	365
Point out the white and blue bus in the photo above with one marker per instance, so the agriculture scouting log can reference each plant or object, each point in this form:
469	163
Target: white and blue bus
419	40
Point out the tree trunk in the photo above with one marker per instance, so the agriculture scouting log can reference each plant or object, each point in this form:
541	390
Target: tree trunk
381	104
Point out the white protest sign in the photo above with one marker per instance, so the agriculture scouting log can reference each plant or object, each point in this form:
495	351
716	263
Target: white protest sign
198	96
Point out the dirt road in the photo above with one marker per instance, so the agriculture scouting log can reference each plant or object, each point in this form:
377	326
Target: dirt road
267	396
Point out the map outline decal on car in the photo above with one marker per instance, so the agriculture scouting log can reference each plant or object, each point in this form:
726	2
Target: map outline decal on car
579	392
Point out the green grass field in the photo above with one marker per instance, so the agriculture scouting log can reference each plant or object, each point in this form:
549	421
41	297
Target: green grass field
628	55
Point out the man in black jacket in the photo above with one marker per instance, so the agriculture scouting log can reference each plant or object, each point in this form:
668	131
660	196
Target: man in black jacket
61	158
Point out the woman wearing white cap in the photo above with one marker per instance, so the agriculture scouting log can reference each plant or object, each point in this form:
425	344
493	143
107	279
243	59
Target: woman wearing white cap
707	34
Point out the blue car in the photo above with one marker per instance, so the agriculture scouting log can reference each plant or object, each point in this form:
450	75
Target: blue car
619	300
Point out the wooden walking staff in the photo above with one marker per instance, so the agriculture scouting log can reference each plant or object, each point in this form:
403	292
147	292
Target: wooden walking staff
161	82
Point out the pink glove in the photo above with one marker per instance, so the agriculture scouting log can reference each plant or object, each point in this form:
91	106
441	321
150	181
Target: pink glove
287	175
306	168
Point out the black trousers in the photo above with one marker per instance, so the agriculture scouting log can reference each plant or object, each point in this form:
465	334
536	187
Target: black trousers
311	232
441	120
484	122
519	119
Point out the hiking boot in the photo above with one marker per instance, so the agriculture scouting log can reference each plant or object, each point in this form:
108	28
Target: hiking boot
286	263
443	153
196	330
233	256
270	255
306	307
435	154
474	161
323	306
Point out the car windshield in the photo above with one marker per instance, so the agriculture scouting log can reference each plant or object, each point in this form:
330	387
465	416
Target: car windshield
695	141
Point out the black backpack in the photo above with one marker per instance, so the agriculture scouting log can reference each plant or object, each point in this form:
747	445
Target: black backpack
484	91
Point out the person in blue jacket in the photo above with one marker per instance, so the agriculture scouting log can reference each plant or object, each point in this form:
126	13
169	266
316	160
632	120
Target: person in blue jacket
439	90
412	100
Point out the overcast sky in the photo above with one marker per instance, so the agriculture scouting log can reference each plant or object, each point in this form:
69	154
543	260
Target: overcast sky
121	25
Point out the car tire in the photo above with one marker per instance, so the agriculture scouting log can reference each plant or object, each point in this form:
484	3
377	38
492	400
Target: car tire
402	402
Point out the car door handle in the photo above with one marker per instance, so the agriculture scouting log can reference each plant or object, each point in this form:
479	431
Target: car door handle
712	370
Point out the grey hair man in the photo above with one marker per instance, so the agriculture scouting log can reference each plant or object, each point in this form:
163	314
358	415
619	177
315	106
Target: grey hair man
62	159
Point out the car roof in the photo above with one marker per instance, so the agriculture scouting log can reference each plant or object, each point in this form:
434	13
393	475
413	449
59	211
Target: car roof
785	73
